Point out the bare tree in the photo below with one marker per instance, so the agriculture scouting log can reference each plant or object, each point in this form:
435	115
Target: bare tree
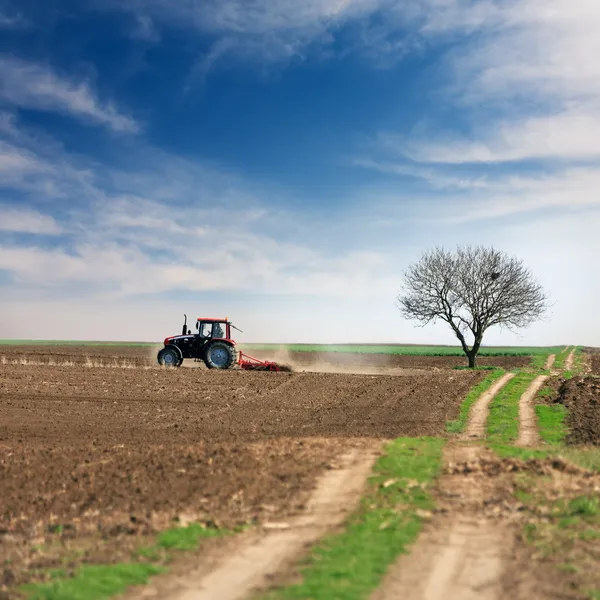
472	289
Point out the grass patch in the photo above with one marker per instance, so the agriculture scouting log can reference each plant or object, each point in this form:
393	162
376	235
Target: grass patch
565	532
552	423
538	361
585	457
93	582
459	424
186	538
503	419
100	582
559	363
510	451
350	565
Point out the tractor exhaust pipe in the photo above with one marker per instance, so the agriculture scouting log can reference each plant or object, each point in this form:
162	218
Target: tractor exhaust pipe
184	329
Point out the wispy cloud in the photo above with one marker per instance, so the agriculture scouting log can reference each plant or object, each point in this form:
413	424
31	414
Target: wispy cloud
124	232
274	31
20	220
532	62
524	81
35	86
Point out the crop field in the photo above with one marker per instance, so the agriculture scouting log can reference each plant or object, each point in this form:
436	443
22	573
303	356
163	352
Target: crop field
102	455
101	450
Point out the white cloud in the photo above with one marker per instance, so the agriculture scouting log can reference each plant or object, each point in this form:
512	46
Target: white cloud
127	233
572	190
567	135
534	63
34	86
27	221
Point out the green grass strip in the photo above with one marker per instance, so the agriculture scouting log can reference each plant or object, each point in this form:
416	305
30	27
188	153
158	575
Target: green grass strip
100	582
559	363
538	361
350	565
459	425
408	350
401	350
93	582
552	425
503	418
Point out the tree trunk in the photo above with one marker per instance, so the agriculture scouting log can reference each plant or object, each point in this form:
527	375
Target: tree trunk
472	356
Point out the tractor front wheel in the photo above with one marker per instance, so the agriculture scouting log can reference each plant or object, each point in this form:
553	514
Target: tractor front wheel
219	355
170	357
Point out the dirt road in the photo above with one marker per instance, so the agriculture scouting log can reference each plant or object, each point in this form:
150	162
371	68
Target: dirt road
255	561
467	551
528	434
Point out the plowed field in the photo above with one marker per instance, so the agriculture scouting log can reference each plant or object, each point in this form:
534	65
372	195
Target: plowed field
90	455
596	364
581	396
145	356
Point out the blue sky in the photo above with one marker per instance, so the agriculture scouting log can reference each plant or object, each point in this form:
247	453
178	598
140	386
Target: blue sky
281	163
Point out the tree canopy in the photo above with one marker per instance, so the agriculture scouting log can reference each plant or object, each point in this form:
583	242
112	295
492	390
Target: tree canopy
471	289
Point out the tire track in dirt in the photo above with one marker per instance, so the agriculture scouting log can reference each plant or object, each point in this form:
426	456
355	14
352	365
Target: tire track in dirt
459	556
528	433
258	558
479	411
569	360
462	554
550	361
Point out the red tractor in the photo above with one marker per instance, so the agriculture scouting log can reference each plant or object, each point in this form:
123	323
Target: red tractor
211	344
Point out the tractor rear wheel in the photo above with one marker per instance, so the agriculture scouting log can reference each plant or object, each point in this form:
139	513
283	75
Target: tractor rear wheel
219	355
170	357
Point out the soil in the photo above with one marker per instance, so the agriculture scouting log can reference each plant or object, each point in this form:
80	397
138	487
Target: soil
581	396
93	458
596	364
257	560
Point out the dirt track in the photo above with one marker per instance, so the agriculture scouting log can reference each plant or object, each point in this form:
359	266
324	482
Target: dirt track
94	456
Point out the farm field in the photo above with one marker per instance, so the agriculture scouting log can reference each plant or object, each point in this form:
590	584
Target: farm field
402	349
92	458
101	451
145	356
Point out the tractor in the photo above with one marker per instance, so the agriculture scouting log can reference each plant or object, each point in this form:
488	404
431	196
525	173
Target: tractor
213	345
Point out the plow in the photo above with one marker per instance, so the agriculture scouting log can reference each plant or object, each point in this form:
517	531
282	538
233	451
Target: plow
212	344
250	363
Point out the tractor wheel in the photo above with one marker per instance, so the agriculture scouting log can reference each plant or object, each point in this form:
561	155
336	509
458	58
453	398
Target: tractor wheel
170	357
219	355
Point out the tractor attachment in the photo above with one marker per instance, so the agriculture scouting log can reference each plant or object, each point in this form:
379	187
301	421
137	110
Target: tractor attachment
250	363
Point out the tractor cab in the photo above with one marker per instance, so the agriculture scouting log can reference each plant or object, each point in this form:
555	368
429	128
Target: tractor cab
215	329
